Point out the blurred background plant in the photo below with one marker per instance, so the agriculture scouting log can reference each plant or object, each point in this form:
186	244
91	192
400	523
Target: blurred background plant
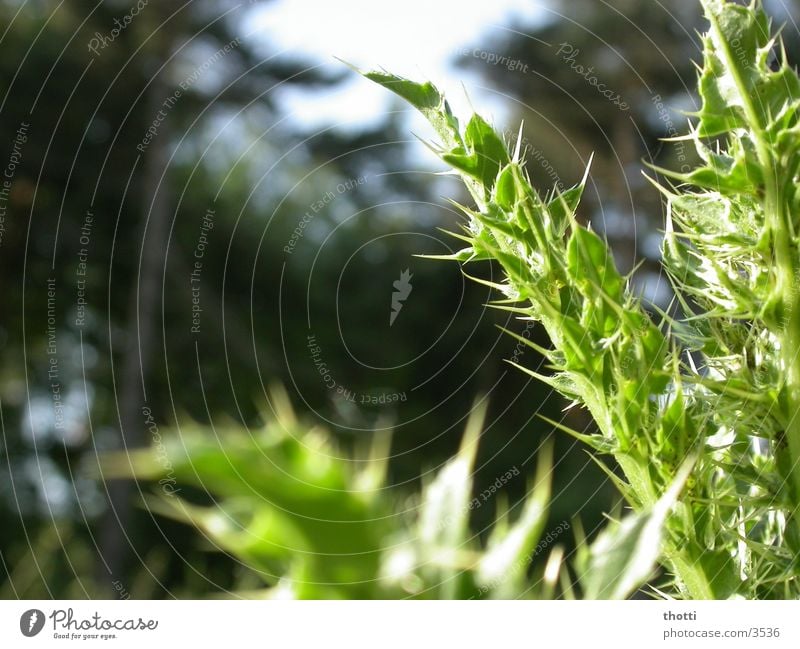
309	522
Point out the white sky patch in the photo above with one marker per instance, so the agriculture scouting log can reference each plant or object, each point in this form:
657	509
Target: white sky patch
417	39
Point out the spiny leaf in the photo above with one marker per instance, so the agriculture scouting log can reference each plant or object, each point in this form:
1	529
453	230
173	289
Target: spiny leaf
624	555
427	99
590	262
485	153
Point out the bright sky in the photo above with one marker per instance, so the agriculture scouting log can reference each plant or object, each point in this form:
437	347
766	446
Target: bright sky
414	38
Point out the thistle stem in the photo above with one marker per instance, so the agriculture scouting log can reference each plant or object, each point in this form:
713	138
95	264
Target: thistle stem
781	230
789	335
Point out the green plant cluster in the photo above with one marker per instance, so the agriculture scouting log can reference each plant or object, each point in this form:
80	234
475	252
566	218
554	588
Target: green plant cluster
715	385
698	407
316	524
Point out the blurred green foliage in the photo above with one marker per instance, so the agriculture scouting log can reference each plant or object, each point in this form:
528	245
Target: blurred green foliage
314	523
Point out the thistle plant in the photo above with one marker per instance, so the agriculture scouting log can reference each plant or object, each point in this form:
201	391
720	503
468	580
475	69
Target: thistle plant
698	407
310	522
